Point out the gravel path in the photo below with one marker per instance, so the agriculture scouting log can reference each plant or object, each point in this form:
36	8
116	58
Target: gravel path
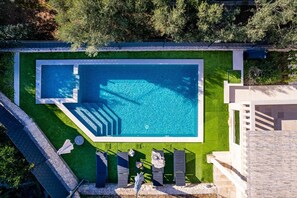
149	190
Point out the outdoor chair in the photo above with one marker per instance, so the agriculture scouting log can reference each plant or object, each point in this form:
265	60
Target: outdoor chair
101	169
179	167
158	172
123	169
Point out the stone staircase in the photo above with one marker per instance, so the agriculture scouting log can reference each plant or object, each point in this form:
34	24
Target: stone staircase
97	117
225	188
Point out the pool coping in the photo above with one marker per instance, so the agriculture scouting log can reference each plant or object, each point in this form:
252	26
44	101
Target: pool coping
40	100
59	102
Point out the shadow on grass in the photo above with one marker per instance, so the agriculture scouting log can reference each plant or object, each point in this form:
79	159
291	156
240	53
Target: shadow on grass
191	167
112	167
168	171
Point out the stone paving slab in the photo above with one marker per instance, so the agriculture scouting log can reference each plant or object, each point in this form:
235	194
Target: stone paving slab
149	190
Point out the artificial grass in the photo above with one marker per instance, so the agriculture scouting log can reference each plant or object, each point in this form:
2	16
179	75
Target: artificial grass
59	127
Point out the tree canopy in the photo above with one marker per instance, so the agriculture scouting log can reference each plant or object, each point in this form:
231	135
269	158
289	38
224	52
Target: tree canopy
94	23
13	167
98	22
274	22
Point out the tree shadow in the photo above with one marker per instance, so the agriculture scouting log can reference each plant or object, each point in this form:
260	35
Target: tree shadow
191	167
182	80
112	166
168	169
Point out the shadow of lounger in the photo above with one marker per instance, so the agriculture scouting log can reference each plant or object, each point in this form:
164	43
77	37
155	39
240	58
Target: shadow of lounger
101	169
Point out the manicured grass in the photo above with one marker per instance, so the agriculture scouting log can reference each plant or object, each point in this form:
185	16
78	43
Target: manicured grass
59	127
6	74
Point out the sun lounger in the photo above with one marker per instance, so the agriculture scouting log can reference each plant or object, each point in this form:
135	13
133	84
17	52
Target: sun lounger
179	167
158	172
123	169
101	169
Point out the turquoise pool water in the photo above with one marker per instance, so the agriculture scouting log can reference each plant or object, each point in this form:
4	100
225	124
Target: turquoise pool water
57	81
129	100
149	100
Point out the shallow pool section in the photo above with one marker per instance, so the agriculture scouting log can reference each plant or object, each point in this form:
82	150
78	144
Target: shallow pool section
121	100
58	81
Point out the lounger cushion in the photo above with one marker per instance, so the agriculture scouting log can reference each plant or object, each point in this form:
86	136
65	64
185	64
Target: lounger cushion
180	179
158	178
123	169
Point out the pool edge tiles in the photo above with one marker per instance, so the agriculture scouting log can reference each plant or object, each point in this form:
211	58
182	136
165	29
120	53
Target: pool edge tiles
200	97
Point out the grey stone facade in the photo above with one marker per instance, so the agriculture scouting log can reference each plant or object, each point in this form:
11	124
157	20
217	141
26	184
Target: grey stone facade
272	164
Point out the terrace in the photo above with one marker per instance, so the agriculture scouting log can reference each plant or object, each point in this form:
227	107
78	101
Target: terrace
58	127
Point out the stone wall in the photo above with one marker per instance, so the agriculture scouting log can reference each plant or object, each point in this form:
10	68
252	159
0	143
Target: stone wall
272	164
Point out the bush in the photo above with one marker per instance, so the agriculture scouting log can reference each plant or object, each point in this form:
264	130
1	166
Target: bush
6	74
277	68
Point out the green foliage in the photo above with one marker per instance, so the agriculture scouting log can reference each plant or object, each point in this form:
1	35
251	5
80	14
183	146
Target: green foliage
25	19
216	22
98	22
278	68
170	20
274	22
95	23
13	167
6	74
15	32
209	16
234	76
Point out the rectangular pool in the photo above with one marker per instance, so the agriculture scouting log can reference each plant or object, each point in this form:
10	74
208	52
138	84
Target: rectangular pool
144	99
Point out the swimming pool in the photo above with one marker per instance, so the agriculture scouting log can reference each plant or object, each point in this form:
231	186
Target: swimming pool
60	81
143	99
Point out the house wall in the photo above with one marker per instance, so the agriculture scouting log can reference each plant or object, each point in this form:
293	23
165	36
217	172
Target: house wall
271	164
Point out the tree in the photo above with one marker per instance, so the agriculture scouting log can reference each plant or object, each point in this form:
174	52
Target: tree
98	22
23	19
13	167
15	32
170	20
274	22
217	22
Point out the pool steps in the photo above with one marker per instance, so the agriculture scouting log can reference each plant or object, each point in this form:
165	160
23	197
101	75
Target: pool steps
99	118
86	121
99	122
100	115
115	118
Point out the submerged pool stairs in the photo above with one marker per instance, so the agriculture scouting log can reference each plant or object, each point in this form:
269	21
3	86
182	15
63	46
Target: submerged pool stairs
97	117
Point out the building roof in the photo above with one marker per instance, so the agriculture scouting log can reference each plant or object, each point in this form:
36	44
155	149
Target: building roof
42	169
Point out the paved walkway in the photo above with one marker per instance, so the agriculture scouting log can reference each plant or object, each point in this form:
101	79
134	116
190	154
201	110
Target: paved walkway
59	167
148	190
51	46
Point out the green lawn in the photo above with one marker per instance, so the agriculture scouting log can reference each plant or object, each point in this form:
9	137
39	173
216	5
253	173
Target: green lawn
59	127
